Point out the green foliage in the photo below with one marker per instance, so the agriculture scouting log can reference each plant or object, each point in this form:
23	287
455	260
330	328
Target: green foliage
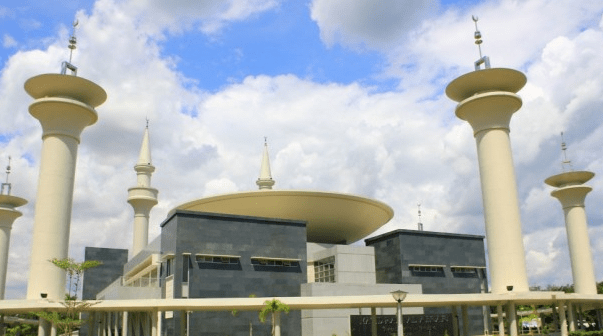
23	329
271	307
69	321
74	271
586	333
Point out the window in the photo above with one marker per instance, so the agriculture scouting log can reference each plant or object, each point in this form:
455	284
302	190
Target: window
324	270
427	270
217	259
169	267
185	267
464	272
277	262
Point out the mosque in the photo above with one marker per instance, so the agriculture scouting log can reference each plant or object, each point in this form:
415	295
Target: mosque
219	259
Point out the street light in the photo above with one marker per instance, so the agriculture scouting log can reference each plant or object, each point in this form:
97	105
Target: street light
399	296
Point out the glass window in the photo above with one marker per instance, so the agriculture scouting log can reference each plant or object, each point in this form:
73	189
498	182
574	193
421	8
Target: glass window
324	270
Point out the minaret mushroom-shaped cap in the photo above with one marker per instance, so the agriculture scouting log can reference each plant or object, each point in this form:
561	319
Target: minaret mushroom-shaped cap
265	181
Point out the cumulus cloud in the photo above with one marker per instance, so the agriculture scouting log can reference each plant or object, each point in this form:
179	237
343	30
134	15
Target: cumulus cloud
207	16
402	147
368	24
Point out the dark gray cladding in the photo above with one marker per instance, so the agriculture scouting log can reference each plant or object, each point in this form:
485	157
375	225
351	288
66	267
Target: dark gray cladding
400	254
232	256
97	278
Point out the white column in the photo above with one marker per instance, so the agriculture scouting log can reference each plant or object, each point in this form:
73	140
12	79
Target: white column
465	320
563	319
570	317
64	106
487	100
571	192
373	321
154	323
512	318
455	320
124	324
8	214
501	320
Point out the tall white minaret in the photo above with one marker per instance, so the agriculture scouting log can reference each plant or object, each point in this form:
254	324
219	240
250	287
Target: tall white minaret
142	197
64	105
265	181
487	100
8	214
571	192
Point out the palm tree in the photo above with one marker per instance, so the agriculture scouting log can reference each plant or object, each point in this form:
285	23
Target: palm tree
274	307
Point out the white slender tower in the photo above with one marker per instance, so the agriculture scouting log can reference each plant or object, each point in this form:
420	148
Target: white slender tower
571	192
265	181
8	214
142	197
64	105
487	100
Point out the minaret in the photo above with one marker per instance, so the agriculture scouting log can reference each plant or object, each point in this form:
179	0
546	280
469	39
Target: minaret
265	182
571	192
8	214
142	197
64	105
487	99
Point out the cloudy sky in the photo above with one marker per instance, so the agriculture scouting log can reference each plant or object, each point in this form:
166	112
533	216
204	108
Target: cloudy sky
350	95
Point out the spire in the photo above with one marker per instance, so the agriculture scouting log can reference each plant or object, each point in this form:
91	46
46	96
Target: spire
485	60
72	45
420	224
144	158
265	181
565	163
6	183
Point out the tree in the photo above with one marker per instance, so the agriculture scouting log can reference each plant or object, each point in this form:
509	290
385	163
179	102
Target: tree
273	307
70	320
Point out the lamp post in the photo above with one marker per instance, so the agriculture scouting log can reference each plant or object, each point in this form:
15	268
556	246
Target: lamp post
399	296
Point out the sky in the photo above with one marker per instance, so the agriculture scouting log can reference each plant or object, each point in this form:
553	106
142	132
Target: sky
349	94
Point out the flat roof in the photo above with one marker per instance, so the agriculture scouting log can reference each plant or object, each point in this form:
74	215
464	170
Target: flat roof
421	233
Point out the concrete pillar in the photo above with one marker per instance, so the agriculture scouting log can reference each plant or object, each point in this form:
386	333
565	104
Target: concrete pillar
64	106
43	328
487	100
373	321
501	320
115	323
455	320
465	320
571	317
8	214
563	319
160	323
154	323
571	192
124	324
512	318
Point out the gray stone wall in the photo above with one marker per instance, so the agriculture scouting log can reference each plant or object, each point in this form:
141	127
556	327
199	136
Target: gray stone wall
186	234
97	278
396	250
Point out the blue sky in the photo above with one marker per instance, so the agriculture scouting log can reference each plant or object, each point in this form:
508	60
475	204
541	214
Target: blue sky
349	94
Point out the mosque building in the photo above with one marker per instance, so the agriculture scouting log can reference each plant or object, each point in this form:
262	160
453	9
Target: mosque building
219	258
